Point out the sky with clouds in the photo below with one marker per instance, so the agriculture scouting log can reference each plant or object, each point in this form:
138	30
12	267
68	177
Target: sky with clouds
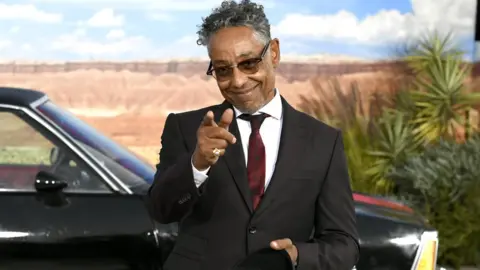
162	29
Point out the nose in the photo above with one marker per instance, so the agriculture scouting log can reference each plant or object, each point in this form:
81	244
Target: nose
238	78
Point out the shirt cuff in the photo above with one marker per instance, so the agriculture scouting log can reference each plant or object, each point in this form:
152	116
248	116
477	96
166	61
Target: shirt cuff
199	176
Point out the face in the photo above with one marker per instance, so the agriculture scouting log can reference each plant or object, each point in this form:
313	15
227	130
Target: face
245	79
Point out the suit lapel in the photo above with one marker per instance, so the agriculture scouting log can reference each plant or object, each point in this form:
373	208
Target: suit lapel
294	141
235	159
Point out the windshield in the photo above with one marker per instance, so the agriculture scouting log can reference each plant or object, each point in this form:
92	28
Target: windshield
91	137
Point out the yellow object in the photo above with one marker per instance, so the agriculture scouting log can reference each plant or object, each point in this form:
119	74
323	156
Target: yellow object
426	258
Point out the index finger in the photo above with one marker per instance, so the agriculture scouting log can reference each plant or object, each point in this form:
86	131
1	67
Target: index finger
208	119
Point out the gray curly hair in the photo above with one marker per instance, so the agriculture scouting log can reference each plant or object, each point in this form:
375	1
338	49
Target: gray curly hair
231	14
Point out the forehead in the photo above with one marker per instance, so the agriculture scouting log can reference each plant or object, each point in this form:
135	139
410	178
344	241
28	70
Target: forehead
231	43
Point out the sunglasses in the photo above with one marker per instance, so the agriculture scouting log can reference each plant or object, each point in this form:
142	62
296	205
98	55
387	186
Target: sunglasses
248	66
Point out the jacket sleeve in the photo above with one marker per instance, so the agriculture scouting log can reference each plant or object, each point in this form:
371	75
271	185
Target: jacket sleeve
173	192
335	242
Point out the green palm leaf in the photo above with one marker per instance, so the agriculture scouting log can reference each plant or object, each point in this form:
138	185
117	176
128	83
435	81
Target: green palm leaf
394	143
439	90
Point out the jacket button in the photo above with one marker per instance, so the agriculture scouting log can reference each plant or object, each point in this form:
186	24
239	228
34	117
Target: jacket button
252	230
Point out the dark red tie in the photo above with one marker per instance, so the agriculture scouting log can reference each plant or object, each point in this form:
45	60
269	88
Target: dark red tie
256	158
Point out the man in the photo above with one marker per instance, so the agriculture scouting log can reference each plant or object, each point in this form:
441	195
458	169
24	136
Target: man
252	172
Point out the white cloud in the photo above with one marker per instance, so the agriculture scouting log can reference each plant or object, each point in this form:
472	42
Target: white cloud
184	47
28	13
116	46
115	34
79	43
14	29
26	47
160	16
79	32
5	44
457	16
11	50
105	18
166	5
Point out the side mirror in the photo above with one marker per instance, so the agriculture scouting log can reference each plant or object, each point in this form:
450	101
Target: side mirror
48	182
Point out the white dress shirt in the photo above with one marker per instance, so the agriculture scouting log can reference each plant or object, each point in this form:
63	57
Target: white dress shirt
270	132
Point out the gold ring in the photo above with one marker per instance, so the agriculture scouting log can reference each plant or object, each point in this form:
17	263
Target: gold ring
216	152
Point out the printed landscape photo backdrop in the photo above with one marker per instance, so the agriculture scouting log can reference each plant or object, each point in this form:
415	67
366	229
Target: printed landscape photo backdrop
122	66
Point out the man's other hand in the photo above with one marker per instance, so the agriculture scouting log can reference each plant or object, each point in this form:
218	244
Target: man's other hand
287	245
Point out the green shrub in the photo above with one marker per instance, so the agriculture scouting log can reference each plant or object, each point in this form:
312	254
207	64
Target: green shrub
346	109
407	146
24	155
443	184
392	144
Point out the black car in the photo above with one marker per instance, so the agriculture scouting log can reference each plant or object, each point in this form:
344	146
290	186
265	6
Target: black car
71	198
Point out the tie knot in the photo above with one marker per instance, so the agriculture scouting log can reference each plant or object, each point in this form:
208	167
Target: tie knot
256	120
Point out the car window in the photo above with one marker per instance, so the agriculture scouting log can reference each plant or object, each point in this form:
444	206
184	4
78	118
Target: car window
129	178
94	139
24	151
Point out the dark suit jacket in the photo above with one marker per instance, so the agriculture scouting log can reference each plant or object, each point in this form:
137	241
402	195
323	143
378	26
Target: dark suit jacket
308	200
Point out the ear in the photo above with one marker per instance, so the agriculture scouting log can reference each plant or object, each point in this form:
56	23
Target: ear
275	51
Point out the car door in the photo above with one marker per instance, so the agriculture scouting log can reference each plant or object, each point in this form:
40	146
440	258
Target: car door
57	211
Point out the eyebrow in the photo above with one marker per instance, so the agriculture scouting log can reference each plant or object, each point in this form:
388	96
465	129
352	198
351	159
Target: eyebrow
241	55
220	61
246	54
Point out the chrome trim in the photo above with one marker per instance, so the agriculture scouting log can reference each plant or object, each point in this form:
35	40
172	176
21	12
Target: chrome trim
18	108
98	162
156	235
32	190
39	101
48	125
426	235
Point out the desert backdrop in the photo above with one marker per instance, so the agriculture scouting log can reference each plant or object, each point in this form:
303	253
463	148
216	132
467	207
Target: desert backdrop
129	101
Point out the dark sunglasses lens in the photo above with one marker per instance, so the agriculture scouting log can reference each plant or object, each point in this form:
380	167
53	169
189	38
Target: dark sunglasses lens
249	66
222	73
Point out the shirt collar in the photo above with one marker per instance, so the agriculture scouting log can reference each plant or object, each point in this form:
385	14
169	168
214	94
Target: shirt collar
272	108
